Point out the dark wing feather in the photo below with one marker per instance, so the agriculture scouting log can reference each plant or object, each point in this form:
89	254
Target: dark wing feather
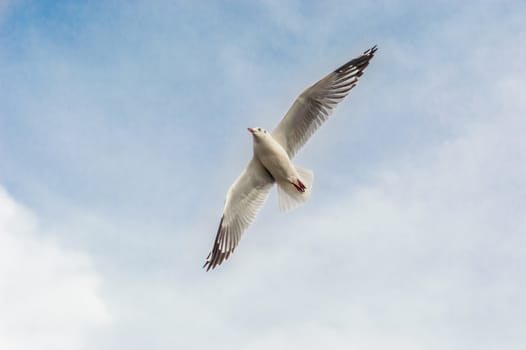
243	201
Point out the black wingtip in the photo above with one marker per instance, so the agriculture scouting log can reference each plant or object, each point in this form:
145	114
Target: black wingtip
370	52
359	62
215	257
210	264
207	264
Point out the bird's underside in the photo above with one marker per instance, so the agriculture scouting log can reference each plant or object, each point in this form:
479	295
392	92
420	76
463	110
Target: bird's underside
251	189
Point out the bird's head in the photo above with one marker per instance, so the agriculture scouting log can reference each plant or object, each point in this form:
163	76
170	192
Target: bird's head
258	133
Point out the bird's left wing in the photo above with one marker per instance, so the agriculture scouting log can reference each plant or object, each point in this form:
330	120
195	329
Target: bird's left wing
243	201
316	103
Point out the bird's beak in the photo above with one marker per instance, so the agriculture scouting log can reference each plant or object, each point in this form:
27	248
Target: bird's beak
251	130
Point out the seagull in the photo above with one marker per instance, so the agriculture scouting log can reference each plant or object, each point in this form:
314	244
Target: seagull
271	163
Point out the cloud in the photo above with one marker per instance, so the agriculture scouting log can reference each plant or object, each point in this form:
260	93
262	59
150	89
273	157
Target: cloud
48	295
428	255
126	135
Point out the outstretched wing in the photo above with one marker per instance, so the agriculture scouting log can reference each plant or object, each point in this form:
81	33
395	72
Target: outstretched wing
243	201
316	103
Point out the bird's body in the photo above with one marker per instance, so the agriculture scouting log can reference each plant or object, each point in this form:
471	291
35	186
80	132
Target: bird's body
273	157
271	163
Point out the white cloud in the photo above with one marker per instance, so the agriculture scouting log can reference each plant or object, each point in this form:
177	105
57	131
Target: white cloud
428	255
48	296
424	253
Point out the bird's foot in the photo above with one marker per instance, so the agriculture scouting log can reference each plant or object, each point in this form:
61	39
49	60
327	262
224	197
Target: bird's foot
299	185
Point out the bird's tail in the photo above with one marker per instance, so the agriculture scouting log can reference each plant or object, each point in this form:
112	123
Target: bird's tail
293	194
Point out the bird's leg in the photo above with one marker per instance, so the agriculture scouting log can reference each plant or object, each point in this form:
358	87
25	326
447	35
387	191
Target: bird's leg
299	185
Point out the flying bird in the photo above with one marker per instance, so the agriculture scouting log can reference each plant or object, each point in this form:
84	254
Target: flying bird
271	163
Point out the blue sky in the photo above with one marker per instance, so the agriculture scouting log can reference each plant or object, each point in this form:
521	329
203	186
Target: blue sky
122	125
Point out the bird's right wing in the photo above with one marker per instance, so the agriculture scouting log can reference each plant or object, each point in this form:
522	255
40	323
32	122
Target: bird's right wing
316	103
243	201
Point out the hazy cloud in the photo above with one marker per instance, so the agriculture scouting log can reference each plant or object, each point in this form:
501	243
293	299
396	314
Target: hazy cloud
48	296
124	125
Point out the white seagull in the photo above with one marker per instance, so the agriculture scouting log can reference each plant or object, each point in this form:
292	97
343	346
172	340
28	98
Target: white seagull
273	152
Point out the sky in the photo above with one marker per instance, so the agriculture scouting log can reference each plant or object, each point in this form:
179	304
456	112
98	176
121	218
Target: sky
123	124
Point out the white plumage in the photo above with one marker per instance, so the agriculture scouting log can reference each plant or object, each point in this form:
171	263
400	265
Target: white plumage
273	152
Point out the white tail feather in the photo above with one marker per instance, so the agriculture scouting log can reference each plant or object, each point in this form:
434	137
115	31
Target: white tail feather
289	196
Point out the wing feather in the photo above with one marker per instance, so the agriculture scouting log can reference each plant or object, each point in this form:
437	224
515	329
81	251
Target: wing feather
243	201
315	104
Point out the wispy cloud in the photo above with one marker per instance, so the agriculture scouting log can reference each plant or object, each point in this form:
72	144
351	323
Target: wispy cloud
123	133
48	295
